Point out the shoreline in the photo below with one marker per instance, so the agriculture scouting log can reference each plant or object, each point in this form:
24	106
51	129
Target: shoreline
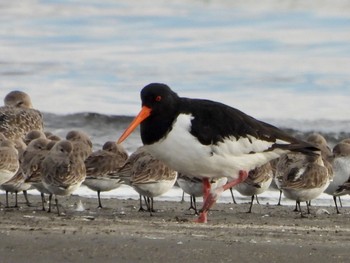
119	233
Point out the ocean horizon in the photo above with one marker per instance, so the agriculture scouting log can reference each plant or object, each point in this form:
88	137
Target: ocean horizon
271	59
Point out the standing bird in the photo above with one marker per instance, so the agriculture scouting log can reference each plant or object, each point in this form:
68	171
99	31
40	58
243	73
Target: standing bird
302	177
341	171
82	145
18	117
258	181
9	163
207	139
17	182
148	176
62	171
31	165
101	163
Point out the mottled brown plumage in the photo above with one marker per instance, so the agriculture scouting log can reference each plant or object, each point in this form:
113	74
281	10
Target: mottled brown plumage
32	162
257	182
149	176
18	117
9	163
100	164
62	171
82	145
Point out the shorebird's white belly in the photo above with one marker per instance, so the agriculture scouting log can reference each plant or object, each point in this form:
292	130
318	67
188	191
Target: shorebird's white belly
191	188
184	153
196	188
249	190
41	188
154	189
102	184
341	172
57	190
302	195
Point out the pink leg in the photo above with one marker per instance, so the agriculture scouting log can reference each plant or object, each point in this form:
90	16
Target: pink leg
213	196
206	188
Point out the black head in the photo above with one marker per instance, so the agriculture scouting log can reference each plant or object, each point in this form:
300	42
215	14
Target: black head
159	109
159	98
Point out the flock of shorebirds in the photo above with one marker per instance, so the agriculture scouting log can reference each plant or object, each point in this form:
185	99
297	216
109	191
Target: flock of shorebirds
205	147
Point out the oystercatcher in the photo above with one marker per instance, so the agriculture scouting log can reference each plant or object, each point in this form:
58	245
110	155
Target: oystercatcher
207	139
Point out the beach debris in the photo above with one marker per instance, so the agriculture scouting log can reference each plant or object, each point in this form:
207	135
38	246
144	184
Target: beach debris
79	206
322	211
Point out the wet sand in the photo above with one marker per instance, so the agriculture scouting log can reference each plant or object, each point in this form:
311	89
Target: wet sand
119	233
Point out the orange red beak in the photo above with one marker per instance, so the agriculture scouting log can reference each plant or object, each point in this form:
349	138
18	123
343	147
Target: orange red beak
143	114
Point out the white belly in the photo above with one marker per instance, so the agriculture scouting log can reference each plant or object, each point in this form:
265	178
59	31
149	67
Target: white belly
154	189
102	184
303	195
250	190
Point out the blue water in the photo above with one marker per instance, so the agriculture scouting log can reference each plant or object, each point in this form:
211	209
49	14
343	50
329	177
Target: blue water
272	59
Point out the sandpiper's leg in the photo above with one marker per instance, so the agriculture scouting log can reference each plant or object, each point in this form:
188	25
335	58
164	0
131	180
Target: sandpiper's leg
43	201
233	197
279	199
296	207
308	203
99	199
257	200
336	205
301	211
26	198
56	201
16	199
251	204
339	199
183	197
7	199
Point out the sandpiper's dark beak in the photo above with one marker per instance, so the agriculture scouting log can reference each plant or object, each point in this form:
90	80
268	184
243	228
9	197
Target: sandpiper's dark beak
143	114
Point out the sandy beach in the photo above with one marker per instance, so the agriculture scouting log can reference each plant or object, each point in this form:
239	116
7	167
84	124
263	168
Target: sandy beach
120	233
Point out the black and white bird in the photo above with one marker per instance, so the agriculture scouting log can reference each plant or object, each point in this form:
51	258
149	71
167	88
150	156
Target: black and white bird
207	139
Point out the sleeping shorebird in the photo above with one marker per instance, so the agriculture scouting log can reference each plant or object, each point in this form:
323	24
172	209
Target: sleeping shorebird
18	117
62	172
258	181
17	182
301	164
101	163
302	177
82	145
31	165
341	171
32	135
14	185
207	139
9	162
148	176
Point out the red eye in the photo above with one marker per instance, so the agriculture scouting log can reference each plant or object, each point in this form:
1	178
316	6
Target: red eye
158	98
